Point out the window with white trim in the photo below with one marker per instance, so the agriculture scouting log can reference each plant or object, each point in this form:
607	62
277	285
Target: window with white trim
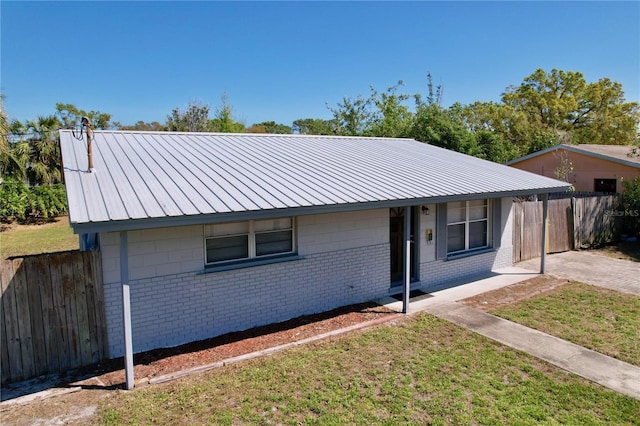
467	225
235	241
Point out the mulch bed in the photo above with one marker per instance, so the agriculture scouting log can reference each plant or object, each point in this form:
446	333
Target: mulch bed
171	360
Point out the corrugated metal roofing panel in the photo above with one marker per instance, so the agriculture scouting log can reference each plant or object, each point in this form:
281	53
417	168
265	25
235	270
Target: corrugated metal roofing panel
154	175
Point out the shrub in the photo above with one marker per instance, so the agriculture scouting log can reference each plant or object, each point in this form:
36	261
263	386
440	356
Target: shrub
48	201
631	206
20	203
14	200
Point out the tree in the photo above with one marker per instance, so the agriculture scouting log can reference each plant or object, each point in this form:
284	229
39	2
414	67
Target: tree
154	126
223	119
564	171
380	115
269	127
6	155
494	147
314	126
444	128
352	116
45	161
391	117
564	104
30	150
557	107
194	119
70	116
605	117
14	152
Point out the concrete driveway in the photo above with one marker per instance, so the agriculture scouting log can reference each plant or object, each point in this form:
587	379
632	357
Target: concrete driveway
591	268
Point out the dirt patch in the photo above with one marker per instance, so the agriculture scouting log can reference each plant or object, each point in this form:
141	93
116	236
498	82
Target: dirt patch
77	407
34	223
514	293
625	250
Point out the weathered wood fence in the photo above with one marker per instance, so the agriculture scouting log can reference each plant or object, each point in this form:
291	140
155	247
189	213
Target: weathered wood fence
573	223
52	314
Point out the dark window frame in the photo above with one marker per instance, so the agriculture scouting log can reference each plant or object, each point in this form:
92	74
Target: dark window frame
252	240
605	185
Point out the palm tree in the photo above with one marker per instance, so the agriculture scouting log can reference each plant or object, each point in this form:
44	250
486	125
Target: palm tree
14	156
44	166
5	148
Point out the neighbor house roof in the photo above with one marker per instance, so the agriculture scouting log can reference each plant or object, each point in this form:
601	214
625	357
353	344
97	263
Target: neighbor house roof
152	179
616	153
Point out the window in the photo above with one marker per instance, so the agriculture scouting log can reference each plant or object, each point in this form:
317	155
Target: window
604	185
467	225
252	239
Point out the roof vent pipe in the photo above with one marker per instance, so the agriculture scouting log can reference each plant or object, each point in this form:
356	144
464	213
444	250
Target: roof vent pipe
86	123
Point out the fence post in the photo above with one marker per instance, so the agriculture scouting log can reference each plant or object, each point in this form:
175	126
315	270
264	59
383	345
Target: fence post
543	251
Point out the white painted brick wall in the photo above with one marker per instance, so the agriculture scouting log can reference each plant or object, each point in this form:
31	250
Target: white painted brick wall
181	308
154	252
340	231
347	260
427	249
167	251
440	272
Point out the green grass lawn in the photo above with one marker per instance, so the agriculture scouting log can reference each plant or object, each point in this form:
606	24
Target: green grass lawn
22	240
596	318
423	371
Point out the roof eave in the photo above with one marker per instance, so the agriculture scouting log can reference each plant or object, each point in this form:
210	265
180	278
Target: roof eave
170	221
577	150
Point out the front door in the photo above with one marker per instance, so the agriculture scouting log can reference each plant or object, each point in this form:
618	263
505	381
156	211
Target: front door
396	239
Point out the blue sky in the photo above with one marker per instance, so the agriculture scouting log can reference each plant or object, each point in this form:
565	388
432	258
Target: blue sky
282	61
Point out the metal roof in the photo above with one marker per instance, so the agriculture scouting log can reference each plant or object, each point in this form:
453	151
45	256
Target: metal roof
616	153
152	179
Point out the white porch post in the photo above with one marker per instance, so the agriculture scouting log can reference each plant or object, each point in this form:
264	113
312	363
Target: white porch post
407	260
545	212
126	309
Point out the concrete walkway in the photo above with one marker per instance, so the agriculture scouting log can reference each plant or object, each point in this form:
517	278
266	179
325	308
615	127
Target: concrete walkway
589	268
607	371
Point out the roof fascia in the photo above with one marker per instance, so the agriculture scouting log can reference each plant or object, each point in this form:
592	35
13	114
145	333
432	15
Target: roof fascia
605	157
535	154
169	221
576	150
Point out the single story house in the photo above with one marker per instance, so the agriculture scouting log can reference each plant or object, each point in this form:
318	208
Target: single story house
202	234
589	168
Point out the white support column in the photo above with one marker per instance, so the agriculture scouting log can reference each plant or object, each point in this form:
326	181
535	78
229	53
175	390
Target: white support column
545	212
126	309
407	260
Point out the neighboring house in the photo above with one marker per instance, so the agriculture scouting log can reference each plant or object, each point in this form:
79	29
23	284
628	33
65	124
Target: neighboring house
590	168
206	234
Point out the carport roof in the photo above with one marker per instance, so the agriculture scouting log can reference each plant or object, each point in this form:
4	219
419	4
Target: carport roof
153	179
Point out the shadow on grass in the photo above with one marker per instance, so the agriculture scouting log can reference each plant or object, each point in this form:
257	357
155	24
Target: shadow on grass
629	250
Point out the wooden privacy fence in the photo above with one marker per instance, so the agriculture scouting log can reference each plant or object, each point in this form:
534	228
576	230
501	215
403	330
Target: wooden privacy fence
594	220
52	314
572	223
